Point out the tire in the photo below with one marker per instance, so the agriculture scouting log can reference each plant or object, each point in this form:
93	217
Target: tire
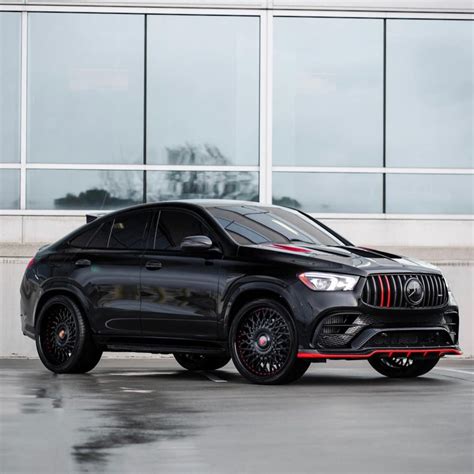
63	338
264	345
299	369
402	367
201	361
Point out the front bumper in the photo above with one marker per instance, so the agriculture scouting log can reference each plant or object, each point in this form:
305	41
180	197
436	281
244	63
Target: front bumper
338	325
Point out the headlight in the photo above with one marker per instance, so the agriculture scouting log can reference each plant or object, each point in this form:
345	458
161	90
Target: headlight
328	281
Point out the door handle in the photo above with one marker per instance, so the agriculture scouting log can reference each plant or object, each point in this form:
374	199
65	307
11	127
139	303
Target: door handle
153	265
83	262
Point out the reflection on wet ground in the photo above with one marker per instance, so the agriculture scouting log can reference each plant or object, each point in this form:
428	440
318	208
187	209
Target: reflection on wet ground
151	416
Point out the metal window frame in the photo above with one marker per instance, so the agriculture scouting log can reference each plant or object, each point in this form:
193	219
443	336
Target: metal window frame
265	167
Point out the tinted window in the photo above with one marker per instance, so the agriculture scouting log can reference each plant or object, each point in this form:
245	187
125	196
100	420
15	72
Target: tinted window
202	89
83	189
430	194
430	94
101	238
10	39
328	192
9	189
83	239
168	185
129	231
257	225
85	88
327	92
174	226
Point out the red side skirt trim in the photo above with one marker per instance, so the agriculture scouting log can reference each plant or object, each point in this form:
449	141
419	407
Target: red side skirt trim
388	352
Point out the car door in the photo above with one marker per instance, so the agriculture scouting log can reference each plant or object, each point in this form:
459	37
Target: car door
108	272
179	289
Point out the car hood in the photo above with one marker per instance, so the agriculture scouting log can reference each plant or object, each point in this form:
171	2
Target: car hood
356	260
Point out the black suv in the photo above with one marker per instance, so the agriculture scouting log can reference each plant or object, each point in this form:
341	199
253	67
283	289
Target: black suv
270	287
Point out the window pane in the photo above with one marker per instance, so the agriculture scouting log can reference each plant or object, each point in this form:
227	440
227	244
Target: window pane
328	92
430	93
85	86
256	225
9	189
167	185
430	194
174	226
130	231
329	192
83	239
92	190
203	90
101	239
10	38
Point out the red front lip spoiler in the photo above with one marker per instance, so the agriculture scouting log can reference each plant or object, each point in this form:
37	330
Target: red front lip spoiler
388	352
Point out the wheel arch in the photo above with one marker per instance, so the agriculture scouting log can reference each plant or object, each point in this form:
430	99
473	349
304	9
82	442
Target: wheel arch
71	293
250	292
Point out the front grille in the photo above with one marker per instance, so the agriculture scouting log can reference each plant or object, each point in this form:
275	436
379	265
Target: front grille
388	290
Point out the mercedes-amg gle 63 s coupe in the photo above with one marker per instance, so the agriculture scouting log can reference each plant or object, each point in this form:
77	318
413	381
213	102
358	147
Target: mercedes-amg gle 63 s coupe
207	281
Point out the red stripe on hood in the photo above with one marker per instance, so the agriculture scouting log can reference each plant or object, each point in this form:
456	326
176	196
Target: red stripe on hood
291	248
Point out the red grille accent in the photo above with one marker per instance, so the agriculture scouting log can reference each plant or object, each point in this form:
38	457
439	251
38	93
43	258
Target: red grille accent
388	291
382	291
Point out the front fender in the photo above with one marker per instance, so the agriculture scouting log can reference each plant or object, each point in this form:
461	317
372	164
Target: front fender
253	285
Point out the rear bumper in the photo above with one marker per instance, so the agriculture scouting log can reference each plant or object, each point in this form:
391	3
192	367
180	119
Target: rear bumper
387	352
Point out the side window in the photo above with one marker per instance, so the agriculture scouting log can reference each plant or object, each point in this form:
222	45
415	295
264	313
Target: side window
82	240
101	238
129	231
174	226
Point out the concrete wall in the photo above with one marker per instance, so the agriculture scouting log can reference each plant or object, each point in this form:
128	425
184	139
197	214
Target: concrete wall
447	244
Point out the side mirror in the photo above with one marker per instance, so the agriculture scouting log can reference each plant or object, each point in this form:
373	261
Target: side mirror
196	243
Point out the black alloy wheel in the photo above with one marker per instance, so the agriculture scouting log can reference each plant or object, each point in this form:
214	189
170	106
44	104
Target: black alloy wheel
193	361
59	334
64	341
401	366
263	344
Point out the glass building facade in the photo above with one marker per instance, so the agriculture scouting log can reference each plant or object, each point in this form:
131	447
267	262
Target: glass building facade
369	116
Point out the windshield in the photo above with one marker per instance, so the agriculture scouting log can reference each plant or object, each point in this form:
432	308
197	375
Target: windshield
248	225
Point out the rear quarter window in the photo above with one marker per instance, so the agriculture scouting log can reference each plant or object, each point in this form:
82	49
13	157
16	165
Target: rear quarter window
82	240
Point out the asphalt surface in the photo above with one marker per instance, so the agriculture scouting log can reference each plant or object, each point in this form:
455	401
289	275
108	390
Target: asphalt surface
149	415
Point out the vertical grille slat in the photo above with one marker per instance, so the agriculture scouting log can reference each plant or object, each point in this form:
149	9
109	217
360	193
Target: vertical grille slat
400	291
426	286
394	290
404	301
445	290
376	292
368	292
378	287
434	291
440	289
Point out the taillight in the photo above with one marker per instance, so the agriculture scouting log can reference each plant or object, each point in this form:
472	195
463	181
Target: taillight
31	263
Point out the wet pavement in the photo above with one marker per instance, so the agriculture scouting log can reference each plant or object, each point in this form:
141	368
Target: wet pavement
149	415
